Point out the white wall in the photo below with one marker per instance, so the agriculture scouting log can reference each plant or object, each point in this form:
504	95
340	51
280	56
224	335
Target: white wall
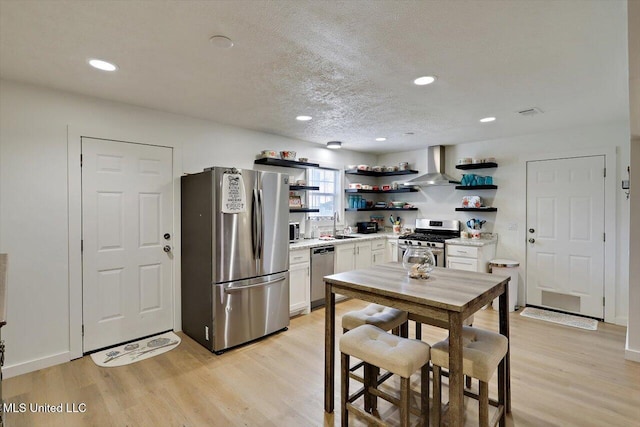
34	217
633	331
510	199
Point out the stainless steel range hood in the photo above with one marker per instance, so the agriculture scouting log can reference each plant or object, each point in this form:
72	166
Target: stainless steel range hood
435	170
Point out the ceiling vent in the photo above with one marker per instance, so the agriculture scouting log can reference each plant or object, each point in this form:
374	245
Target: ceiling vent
530	112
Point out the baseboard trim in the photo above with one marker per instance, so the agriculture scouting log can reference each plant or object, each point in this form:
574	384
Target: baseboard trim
633	355
33	365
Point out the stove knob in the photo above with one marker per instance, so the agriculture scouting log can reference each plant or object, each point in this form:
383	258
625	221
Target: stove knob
419	243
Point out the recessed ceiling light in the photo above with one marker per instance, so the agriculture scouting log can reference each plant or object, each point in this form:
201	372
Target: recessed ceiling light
102	65
381	139
221	42
424	80
304	118
334	145
409	133
487	119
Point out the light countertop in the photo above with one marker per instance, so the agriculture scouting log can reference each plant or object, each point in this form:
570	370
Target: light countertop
472	242
314	243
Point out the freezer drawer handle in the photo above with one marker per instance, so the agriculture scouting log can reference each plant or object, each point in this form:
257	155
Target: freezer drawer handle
257	285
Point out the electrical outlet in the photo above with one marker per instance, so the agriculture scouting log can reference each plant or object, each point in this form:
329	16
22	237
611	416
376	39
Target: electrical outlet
513	226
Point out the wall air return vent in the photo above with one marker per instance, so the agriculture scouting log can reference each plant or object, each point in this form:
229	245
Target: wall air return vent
530	112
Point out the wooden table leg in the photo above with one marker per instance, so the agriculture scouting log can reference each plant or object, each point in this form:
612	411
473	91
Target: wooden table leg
456	380
329	347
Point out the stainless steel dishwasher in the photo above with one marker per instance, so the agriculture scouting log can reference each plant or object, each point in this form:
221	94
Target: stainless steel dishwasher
321	265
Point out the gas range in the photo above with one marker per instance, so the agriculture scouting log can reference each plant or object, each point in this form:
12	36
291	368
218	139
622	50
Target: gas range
432	233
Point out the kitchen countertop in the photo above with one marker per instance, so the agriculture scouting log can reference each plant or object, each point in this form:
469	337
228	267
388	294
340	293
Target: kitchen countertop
314	243
471	242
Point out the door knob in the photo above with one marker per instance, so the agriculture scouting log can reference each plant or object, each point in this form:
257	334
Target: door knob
531	230
167	248
532	240
167	236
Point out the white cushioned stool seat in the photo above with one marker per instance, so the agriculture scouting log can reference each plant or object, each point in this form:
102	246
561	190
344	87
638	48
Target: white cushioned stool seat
402	356
398	355
482	351
385	318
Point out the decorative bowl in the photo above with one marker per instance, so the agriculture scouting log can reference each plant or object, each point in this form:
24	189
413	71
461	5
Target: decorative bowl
288	155
419	262
303	159
270	154
398	204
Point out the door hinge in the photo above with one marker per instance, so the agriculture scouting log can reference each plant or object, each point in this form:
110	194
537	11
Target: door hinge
80	160
82	330
603	301
81	245
604	237
605	172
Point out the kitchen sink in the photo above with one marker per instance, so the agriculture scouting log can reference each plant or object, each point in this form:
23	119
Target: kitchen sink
342	236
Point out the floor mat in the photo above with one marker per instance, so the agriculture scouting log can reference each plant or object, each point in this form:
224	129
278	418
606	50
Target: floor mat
136	351
560	318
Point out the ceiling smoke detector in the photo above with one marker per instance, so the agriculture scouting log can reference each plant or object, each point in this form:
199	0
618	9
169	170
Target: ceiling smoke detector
530	111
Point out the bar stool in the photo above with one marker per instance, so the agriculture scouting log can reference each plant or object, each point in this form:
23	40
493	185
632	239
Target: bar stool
482	351
385	318
399	355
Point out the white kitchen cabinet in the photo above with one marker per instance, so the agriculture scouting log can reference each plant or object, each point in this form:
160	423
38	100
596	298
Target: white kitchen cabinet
472	257
392	250
352	256
378	251
345	259
363	255
299	282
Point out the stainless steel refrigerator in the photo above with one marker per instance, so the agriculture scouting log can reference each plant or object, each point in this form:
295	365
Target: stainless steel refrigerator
235	256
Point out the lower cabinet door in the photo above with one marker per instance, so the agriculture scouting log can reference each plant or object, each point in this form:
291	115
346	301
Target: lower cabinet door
299	288
378	256
468	264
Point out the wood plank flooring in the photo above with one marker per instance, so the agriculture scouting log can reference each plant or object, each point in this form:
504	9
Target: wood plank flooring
561	376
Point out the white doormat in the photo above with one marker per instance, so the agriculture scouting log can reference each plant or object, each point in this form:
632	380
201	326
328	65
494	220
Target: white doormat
136	351
560	318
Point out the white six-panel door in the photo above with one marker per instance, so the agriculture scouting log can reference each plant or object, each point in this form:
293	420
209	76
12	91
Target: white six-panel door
126	212
565	234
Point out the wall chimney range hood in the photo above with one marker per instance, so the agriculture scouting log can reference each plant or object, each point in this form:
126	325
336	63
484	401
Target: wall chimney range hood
435	170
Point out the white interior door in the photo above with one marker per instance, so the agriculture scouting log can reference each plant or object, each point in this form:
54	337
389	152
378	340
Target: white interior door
565	234
126	212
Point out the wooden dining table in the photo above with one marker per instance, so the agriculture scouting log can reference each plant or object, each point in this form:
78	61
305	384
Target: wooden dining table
444	300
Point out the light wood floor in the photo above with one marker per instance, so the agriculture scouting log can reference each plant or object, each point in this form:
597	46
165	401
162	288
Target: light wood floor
561	376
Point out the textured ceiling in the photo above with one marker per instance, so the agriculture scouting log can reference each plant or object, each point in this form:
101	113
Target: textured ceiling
348	64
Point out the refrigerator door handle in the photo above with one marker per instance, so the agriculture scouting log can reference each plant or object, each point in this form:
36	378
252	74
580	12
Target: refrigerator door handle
261	228
257	285
254	224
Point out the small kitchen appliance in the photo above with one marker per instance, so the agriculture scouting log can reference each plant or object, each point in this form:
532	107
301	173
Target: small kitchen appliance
367	227
432	234
294	232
